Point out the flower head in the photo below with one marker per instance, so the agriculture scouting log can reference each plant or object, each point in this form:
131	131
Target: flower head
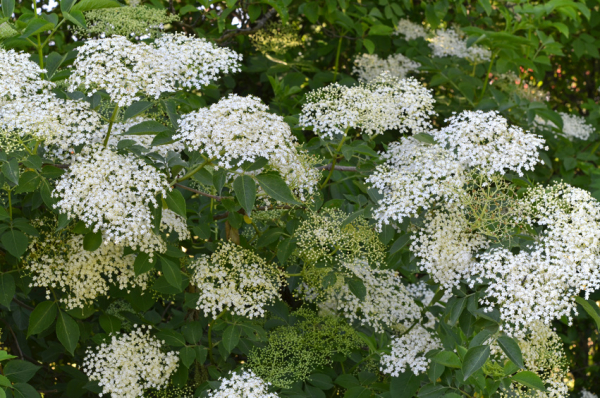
369	67
451	43
19	76
408	352
410	30
242	385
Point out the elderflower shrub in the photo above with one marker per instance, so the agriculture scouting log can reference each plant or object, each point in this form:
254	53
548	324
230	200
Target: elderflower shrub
61	124
136	22
386	302
277	37
408	352
414	176
113	193
236	280
240	129
485	141
19	76
369	67
130	364
59	261
446	246
450	43
410	30
173	62
242	385
294	352
386	103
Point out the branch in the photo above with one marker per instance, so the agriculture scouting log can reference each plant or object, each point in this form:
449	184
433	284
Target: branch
338	168
231	33
219	198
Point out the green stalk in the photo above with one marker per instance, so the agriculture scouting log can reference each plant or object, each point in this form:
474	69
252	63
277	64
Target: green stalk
333	163
194	171
337	58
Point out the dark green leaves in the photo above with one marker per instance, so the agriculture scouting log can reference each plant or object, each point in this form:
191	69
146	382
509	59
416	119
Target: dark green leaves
425	138
41	317
474	360
171	271
145	128
136	108
86	5
8	8
7	289
591	308
529	379
20	371
245	192
15	242
276	188
92	241
67	331
357	287
142	264
511	349
448	359
231	337
10	170
176	202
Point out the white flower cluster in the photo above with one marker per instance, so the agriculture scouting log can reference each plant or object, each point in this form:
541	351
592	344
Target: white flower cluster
61	124
239	129
83	275
172	222
421	291
387	303
447	247
409	350
450	43
485	141
587	394
540	283
414	176
410	30
369	67
130	364
243	385
112	193
19	76
125	69
574	126
386	103
235	279
119	130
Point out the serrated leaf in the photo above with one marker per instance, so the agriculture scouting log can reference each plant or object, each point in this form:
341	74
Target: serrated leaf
7	289
276	188
171	271
86	5
448	359
511	349
529	379
76	17
65	5
285	249
136	108
357	287
15	242
36	25
8	8
92	241
67	331
425	138
176	202
142	264
10	170
24	390
474	360
147	128
19	371
109	323
41	317
245	192
591	308
231	337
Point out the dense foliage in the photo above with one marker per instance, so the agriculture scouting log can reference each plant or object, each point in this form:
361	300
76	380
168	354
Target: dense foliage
283	198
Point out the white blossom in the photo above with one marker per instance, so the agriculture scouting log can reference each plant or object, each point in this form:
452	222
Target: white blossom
386	103
369	67
408	351
410	30
126	69
574	126
235	279
451	43
113	193
484	140
587	394
19	76
243	385
130	364
415	176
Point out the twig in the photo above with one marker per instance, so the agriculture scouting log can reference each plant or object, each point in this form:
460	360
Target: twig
14	338
338	168
231	33
215	197
23	304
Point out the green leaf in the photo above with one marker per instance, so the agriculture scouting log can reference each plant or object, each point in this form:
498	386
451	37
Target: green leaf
65	5
529	379
425	138
268	237
92	241
187	356
8	8
24	390
474	360
358	392
28	182
591	308
109	323
485	4
147	128
406	384
458	308
41	317
4	382
311	10
86	5
285	248
171	271
192	332
53	61
15	242
511	349
10	170
7	289
4	356
36	25
399	243
245	192
321	381
142	264
447	358
381	30
76	17
136	108
19	371
276	188
176	202
357	287
172	338
67	331
231	337
369	45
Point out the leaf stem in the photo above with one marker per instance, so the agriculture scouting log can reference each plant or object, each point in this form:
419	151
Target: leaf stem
333	163
194	171
110	124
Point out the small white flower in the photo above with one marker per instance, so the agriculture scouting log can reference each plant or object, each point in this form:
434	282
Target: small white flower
449	42
242	385
410	30
408	351
369	67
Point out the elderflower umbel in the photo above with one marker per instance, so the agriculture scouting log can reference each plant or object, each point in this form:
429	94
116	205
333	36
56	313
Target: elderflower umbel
130	364
485	141
240	129
62	263
386	103
449	42
113	193
19	76
408	351
587	394
369	67
387	303
410	30
235	279
414	176
61	124
126	70
242	385
119	133
575	126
